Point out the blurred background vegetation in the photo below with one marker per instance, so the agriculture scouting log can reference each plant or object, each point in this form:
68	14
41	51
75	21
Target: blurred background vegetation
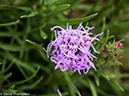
25	28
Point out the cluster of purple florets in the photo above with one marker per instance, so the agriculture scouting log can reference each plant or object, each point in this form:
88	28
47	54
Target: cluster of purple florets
116	47
71	49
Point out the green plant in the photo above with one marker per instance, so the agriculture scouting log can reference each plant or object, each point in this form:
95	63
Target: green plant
25	33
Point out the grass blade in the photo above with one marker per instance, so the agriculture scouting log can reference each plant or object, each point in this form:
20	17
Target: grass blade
10	23
92	87
75	21
114	82
43	34
33	13
36	45
23	81
15	7
31	86
8	67
71	83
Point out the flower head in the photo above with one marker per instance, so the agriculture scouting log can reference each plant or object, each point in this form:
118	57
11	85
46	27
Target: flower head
118	44
71	48
118	55
104	49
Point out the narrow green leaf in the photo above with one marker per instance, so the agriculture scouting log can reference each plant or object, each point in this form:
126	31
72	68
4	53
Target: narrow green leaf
116	63
123	75
14	48
7	76
64	94
15	7
110	37
52	35
24	65
56	2
8	67
92	87
97	79
17	61
11	89
93	8
71	83
86	24
52	2
102	92
103	27
49	1
104	74
10	23
75	21
104	24
43	34
84	82
23	81
106	39
21	70
33	13
7	34
44	57
114	82
32	85
58	9
36	45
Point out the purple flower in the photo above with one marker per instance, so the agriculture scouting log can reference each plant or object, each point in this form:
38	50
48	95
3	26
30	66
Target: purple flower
71	48
118	45
118	55
104	49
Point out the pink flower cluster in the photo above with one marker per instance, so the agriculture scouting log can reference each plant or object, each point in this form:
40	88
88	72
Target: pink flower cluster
71	48
118	45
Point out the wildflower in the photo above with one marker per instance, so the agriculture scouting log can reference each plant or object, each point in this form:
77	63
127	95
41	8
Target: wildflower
105	46
118	45
104	49
59	92
118	55
71	49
